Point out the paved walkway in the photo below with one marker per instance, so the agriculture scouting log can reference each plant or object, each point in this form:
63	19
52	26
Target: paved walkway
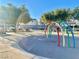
7	52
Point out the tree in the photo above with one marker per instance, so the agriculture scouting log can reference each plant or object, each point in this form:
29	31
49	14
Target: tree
24	18
76	13
62	14
24	15
57	15
43	19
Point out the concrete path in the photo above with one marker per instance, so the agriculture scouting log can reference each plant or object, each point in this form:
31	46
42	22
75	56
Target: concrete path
7	52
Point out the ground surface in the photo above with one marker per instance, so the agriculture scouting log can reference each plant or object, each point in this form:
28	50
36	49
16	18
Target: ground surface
9	48
35	43
47	47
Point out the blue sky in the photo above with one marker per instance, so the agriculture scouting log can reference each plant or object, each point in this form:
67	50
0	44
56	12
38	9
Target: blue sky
38	7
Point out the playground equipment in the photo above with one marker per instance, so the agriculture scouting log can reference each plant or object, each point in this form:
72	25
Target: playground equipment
49	29
68	29
64	26
58	37
39	45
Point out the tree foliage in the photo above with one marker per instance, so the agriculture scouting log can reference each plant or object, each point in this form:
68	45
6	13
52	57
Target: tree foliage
24	16
76	13
60	14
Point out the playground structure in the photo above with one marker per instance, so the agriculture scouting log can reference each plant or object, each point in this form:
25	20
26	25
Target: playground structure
41	46
53	45
63	26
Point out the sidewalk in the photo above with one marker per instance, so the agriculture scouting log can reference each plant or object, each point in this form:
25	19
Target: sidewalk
7	52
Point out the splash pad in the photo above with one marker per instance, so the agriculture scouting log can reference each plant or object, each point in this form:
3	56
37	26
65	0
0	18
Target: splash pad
41	46
53	46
